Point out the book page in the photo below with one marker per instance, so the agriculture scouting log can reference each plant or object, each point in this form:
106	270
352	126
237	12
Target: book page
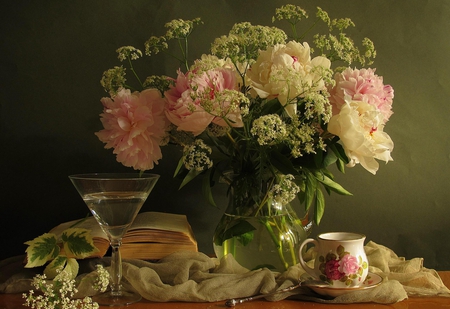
160	221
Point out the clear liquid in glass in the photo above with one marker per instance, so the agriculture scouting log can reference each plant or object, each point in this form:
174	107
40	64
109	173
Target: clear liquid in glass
115	211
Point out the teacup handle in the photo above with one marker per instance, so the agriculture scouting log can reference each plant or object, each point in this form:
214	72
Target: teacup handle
308	269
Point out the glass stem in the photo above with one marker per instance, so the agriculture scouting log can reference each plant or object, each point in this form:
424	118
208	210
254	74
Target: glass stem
116	268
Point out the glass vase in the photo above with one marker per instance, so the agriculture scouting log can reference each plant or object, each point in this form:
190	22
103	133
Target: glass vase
269	237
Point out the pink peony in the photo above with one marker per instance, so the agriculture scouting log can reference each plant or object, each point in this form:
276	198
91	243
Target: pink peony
348	264
332	270
134	125
362	85
193	92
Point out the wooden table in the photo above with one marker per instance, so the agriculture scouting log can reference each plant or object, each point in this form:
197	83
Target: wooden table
14	301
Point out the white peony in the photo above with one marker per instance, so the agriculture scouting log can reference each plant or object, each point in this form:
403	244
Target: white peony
287	72
359	126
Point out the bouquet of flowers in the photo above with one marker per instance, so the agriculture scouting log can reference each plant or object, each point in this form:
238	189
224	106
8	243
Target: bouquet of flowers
269	110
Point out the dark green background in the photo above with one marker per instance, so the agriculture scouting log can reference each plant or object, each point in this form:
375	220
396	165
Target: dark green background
54	52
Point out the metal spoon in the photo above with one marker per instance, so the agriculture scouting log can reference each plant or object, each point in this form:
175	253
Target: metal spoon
233	302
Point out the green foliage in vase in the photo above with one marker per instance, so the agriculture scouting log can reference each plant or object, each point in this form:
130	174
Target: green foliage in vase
263	104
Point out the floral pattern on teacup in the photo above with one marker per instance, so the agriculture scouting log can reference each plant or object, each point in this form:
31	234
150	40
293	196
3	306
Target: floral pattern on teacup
341	266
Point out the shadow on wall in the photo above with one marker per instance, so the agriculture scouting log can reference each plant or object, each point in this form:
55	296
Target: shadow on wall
426	244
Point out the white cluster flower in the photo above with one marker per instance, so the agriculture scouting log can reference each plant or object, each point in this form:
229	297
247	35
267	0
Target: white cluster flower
291	13
128	52
245	40
155	45
210	62
341	47
303	138
285	191
179	28
113	80
57	294
317	105
196	156
269	129
102	281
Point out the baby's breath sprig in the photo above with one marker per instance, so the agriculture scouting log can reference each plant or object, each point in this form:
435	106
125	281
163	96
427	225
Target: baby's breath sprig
285	191
337	47
162	83
197	156
113	80
130	53
102	280
340	47
244	42
269	129
292	14
177	29
57	294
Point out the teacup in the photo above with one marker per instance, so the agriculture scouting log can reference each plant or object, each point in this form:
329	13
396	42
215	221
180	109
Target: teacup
341	260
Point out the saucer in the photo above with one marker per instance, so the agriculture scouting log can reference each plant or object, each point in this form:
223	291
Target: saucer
324	289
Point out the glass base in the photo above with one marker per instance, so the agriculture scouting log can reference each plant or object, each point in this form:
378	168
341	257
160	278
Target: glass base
122	299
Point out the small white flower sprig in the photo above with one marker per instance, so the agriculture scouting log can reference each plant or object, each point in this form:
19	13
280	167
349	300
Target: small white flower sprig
59	293
56	287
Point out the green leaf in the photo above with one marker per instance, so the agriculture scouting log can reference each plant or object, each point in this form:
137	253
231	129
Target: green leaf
330	183
271	107
206	188
339	152
246	238
340	251
238	229
318	158
72	267
41	249
78	243
282	163
330	158
310	188
320	206
55	266
179	166
341	166
191	175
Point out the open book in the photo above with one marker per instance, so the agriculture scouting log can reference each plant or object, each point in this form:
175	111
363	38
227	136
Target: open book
152	236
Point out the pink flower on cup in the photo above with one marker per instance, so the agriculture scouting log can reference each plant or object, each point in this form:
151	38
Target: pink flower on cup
348	265
332	271
134	125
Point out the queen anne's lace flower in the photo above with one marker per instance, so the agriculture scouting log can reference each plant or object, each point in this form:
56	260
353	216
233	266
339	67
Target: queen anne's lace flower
128	52
196	156
269	129
285	191
57	294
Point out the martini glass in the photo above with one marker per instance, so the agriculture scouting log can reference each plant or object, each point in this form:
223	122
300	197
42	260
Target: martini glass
115	200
